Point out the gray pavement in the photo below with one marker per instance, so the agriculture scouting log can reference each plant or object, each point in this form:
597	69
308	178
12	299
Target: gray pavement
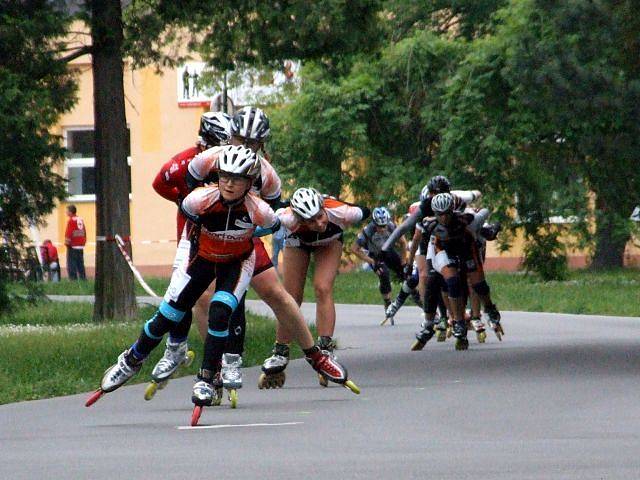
557	399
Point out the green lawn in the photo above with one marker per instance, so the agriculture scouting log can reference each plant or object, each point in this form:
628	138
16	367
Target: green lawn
55	349
614	292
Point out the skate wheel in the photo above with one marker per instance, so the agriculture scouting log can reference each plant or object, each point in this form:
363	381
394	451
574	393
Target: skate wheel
150	391
233	398
352	386
163	384
95	396
384	321
441	336
417	346
275	380
462	344
195	416
449	332
482	336
323	381
392	321
191	355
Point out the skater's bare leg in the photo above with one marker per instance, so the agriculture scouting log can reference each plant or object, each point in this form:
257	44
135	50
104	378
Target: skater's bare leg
285	308
201	311
296	264
327	260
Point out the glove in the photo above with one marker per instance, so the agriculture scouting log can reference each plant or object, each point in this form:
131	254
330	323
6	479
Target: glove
407	270
378	267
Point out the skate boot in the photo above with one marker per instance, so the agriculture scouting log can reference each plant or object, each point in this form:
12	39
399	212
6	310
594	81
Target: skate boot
116	375
231	376
441	330
478	327
273	375
207	391
460	332
329	369
327	346
175	355
423	336
494	320
391	311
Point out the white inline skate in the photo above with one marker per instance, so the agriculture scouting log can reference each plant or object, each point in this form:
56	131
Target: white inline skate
273	375
478	327
176	354
231	376
116	376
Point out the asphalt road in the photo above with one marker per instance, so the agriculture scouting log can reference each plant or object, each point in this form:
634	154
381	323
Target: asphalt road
557	399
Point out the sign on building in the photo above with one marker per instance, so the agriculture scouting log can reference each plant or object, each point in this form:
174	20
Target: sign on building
201	86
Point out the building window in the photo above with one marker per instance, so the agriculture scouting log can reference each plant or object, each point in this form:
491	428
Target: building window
80	164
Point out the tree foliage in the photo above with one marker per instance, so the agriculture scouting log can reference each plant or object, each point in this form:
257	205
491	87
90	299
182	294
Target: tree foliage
534	102
34	91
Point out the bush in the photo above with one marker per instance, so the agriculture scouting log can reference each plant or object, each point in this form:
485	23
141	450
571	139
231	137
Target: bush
545	256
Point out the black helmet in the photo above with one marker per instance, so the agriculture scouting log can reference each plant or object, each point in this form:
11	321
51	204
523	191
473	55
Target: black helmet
439	184
214	128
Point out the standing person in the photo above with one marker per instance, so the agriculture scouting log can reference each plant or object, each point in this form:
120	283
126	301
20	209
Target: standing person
316	225
227	215
75	238
50	260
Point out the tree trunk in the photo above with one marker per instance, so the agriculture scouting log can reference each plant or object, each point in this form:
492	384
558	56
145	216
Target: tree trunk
114	291
611	237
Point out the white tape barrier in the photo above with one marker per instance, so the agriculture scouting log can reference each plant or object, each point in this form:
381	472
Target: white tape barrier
135	271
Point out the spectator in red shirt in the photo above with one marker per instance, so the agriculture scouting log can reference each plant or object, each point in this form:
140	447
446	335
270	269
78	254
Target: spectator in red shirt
50	261
75	238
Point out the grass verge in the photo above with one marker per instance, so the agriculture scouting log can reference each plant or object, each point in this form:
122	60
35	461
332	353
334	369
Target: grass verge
615	292
70	354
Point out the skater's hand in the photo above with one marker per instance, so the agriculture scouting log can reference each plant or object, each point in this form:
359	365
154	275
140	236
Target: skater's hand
408	271
378	267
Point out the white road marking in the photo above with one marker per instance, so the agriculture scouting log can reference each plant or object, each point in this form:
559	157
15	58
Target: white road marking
239	425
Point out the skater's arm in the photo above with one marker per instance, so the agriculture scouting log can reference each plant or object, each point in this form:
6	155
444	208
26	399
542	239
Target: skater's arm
415	242
358	251
406	226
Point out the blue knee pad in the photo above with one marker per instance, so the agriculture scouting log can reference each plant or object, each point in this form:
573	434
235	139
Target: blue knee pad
226	298
454	286
481	288
219	314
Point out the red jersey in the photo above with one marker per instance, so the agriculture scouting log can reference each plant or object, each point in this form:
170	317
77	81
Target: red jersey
170	182
227	231
76	234
49	252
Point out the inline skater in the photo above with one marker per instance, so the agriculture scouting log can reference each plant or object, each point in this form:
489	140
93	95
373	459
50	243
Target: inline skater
171	184
367	247
315	223
227	215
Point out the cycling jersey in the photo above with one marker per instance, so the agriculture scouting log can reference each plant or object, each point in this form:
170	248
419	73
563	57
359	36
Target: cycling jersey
268	185
226	230
341	215
371	239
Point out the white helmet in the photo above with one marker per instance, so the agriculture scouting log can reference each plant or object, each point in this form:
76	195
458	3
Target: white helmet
239	160
251	123
381	216
442	203
306	202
